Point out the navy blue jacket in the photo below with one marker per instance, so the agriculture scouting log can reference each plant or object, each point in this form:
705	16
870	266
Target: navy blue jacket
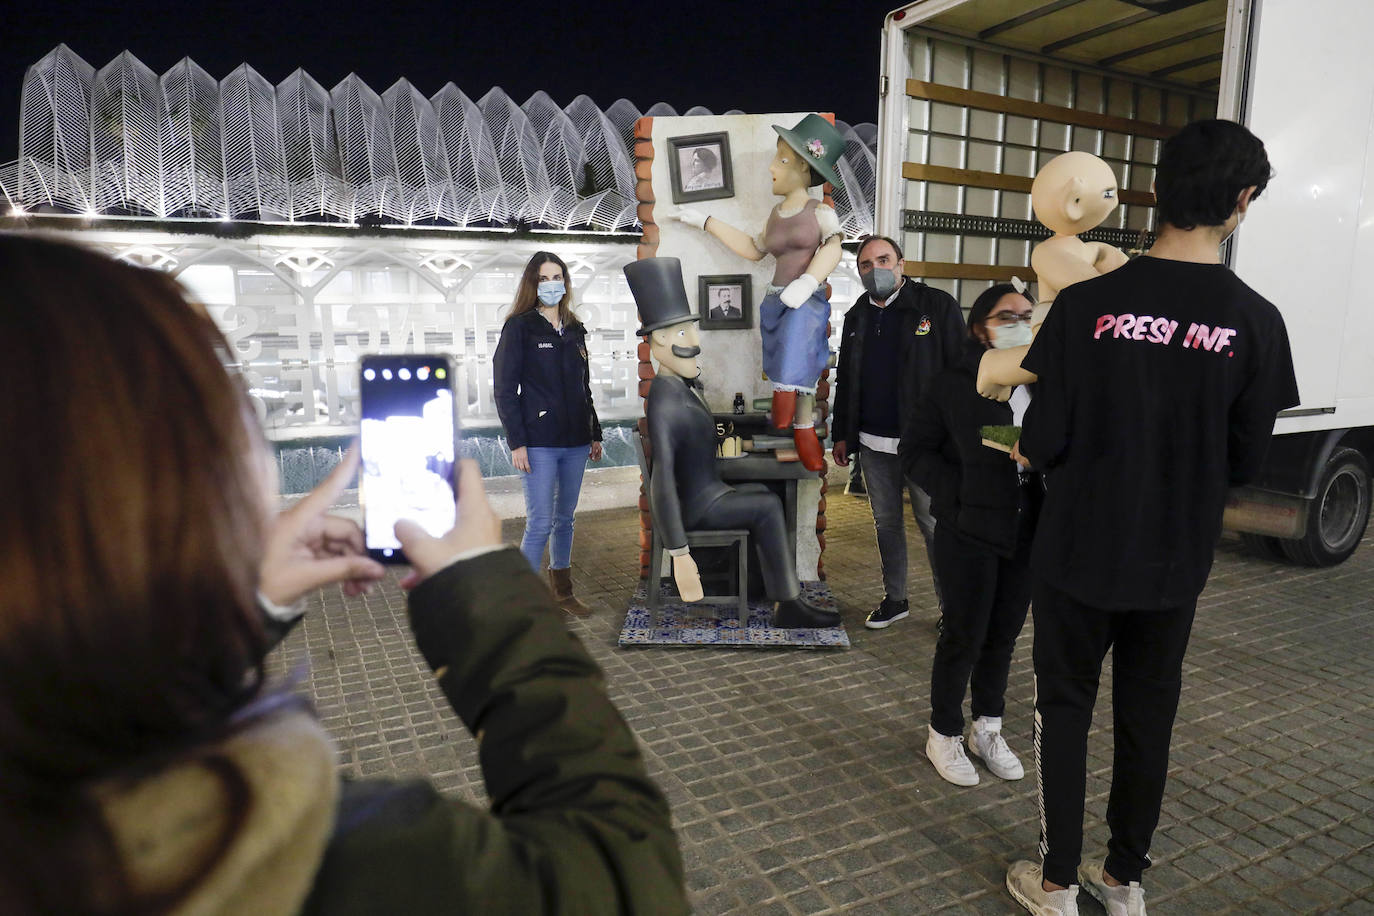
543	384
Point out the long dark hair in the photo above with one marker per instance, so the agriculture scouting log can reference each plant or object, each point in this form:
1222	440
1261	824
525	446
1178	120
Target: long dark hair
130	545
527	293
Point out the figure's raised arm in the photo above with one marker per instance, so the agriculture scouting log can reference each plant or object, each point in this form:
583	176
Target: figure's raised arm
734	239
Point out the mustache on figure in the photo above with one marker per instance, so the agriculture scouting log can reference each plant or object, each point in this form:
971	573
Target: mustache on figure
686	352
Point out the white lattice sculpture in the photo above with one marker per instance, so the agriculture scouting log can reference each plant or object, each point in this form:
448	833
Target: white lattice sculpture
122	141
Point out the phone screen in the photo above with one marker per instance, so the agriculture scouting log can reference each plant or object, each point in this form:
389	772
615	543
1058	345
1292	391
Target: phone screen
409	447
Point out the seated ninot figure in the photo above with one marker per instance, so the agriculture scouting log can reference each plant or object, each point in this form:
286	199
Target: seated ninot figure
1072	193
803	236
686	491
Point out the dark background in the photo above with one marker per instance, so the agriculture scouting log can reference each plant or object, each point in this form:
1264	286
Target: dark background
752	55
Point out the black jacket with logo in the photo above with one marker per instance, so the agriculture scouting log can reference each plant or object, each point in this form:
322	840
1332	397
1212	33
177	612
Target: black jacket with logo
932	333
543	384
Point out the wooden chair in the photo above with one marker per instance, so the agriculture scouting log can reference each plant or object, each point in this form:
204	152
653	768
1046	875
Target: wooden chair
695	538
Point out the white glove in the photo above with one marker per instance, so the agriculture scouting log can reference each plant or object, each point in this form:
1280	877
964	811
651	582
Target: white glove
694	218
798	291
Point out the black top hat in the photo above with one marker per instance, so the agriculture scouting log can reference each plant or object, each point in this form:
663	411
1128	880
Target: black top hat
656	284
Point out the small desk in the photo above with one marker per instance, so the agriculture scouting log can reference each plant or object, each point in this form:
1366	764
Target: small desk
764	468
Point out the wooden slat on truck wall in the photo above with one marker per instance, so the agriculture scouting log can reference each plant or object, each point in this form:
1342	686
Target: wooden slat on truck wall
945	270
988	101
916	171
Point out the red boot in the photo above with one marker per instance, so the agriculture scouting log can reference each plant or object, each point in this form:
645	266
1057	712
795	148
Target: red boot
809	449
784	408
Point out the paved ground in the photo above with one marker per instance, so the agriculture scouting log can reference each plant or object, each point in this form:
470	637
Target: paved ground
797	777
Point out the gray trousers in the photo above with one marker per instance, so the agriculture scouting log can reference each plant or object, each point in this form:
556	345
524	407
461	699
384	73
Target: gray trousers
884	479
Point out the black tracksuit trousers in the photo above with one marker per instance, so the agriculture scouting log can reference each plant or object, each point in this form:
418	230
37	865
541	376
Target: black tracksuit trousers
985	598
1071	640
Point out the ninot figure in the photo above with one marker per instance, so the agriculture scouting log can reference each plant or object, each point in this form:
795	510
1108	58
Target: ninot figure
803	236
1072	193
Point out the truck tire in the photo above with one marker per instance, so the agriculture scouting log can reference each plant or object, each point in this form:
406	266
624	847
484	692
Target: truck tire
1339	513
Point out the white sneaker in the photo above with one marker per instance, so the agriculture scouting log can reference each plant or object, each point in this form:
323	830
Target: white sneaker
985	742
1124	900
948	756
1024	882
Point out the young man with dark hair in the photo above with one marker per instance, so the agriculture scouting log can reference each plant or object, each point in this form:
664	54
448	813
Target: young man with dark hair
895	339
1158	387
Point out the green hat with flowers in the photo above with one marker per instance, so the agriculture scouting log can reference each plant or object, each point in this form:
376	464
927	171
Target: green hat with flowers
819	144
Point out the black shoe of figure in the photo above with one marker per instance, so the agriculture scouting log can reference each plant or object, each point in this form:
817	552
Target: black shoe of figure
888	613
797	614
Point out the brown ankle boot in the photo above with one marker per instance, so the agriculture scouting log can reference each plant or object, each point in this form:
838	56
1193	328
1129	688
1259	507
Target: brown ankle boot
560	580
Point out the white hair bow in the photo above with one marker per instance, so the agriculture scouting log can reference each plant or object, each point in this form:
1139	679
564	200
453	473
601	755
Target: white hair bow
1019	285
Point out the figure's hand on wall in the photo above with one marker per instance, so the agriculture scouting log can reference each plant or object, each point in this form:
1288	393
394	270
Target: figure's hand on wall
687	578
840	453
595	451
694	218
520	457
799	290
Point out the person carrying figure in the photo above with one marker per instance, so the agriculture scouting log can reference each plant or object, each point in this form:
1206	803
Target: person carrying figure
896	338
543	394
803	236
686	490
1158	387
986	505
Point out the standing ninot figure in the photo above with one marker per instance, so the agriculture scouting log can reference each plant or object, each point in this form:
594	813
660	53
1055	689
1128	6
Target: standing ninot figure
803	236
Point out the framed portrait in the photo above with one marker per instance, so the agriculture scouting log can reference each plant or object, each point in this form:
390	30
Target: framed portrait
724	302
699	166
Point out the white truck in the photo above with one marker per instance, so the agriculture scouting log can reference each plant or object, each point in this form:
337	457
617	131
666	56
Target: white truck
977	94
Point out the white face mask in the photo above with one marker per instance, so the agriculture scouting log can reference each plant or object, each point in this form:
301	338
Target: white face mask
1006	336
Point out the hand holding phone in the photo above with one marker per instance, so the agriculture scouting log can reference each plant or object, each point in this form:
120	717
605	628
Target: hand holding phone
478	526
409	446
308	548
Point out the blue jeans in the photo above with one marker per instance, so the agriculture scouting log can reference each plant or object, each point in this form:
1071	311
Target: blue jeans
551	490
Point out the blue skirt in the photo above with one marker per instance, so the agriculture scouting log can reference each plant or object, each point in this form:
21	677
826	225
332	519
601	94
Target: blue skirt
795	346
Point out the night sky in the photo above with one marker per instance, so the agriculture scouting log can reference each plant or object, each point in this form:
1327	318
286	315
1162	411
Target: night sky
754	56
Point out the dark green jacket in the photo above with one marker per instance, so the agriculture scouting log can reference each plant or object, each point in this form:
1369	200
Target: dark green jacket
575	825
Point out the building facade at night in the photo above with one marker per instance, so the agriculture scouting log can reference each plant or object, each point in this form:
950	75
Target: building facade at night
317	225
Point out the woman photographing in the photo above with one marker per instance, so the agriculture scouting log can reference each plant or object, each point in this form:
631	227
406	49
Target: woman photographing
986	505
544	398
146	767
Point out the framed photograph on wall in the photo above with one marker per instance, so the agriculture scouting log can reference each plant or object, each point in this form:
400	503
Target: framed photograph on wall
724	302
699	166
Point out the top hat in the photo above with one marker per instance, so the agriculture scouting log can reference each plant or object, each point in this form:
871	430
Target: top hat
656	284
818	143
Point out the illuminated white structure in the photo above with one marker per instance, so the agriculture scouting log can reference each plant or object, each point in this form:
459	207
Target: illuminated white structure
122	141
317	225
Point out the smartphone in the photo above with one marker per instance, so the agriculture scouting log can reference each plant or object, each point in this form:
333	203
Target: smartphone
409	446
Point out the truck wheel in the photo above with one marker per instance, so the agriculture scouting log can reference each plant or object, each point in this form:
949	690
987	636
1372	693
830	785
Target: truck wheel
1262	545
1339	514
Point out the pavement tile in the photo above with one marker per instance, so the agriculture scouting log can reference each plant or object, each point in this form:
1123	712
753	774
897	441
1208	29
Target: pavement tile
798	780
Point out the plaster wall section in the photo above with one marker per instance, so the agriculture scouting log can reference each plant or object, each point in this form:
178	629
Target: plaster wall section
732	360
